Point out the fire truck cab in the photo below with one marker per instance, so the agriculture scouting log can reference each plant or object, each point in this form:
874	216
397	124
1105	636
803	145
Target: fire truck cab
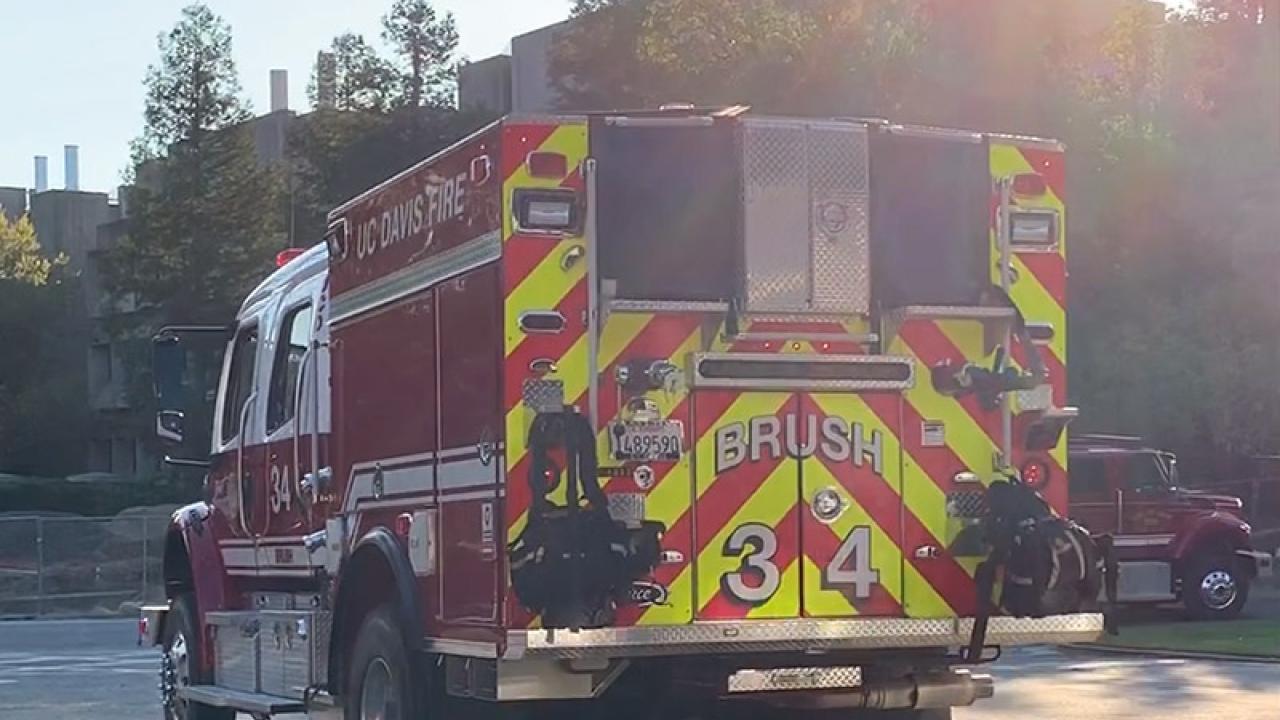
1173	544
687	406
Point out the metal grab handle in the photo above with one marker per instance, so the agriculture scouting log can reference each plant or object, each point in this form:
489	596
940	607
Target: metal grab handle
249	402
297	430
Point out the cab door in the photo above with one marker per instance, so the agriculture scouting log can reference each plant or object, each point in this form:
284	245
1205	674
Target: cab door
296	371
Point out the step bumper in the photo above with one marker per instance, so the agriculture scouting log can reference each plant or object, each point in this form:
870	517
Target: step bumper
797	635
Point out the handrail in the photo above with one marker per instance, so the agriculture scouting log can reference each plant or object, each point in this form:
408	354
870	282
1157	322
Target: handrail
297	430
249	402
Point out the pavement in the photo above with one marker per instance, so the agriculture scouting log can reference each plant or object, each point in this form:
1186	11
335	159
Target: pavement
94	670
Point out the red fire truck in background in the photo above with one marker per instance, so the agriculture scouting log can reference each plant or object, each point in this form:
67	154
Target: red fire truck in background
693	403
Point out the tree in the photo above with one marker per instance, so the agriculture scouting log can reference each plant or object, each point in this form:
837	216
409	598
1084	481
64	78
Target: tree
425	44
20	256
205	217
194	89
821	56
362	80
43	414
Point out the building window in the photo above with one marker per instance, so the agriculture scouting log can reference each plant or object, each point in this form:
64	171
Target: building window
100	364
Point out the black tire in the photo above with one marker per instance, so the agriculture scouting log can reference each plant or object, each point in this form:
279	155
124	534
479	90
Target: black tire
1213	587
381	664
181	645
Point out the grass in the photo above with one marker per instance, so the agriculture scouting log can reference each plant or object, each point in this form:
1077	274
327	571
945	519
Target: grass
1236	637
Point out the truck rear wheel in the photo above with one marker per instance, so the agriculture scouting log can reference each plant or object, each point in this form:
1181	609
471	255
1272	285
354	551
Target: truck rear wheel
180	666
380	682
1213	588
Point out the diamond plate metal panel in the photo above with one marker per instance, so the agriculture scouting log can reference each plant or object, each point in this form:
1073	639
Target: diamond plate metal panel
967	504
627	508
543	395
806	216
287	652
236	659
841	218
809	678
797	635
776	215
1038	398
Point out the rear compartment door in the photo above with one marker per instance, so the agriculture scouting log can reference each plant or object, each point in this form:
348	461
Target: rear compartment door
798	505
746	514
851	504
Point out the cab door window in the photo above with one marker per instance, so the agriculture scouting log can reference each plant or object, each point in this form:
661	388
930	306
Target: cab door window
239	385
286	367
1088	480
1144	474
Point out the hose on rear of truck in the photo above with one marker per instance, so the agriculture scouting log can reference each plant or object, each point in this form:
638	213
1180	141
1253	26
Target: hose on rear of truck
1051	565
573	563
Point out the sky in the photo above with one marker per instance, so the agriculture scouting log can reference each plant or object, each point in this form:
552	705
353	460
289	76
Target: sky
72	69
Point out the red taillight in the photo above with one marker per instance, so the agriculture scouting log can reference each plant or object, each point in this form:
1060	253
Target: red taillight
404	523
1029	185
284	257
1035	473
548	165
143	626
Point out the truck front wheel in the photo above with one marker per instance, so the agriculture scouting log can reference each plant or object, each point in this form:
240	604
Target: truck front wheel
1213	587
180	664
380	681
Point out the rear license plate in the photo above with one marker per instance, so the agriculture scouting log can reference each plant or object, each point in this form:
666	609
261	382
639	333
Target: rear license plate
645	441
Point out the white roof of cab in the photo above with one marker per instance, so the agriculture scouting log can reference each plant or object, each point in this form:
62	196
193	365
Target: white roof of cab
310	263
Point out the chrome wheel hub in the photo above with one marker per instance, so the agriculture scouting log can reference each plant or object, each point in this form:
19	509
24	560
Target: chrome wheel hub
1218	590
377	696
175	672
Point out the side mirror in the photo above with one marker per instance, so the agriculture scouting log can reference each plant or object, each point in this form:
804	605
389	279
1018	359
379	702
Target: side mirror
170	425
169	368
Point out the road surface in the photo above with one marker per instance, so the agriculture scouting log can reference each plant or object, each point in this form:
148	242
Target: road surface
93	670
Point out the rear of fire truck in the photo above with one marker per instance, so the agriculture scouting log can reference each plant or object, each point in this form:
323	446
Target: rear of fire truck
779	395
650	412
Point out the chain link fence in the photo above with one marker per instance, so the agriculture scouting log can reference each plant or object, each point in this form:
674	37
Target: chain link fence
65	566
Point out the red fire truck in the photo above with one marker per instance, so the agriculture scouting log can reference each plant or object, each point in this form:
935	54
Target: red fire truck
1171	543
687	406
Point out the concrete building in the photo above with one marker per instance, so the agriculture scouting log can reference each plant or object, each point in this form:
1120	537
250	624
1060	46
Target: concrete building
486	85
13	202
519	82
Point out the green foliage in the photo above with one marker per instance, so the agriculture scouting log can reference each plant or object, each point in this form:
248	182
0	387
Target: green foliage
362	81
337	155
43	417
775	55
20	256
206	219
424	44
193	90
203	234
1172	121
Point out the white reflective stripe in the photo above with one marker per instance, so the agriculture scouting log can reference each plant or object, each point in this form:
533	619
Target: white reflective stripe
417	459
1141	540
239	557
465	473
283	556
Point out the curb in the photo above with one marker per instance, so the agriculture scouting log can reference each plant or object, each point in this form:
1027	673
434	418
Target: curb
1183	654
